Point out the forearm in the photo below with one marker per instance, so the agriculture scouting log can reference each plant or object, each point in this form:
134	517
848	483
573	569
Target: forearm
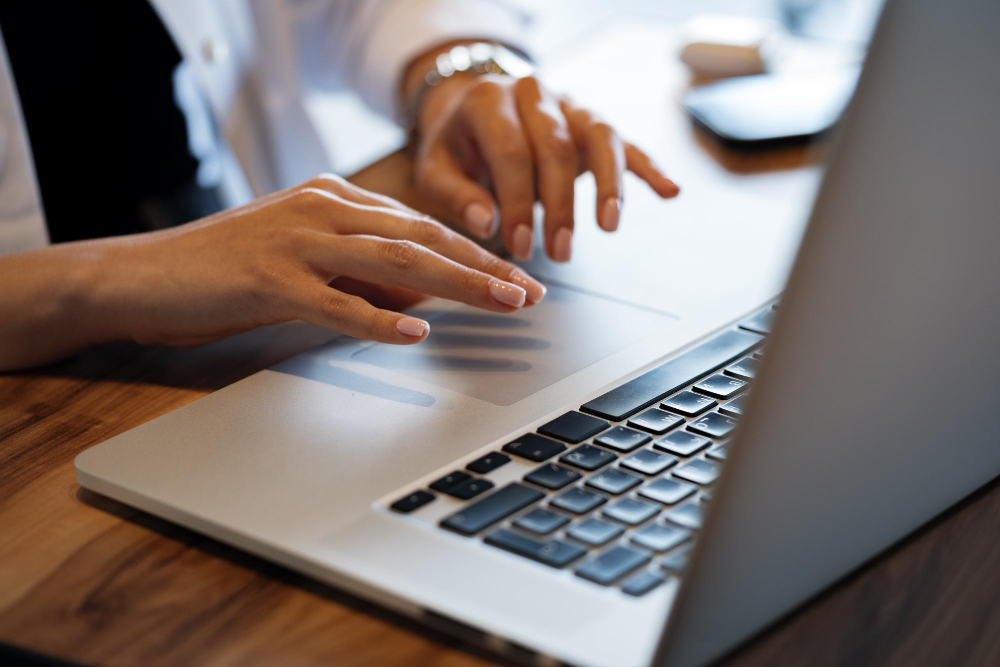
56	301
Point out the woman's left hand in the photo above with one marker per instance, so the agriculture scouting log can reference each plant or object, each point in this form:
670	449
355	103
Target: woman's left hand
490	143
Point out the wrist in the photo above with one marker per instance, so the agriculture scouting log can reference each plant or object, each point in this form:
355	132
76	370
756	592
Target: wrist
462	59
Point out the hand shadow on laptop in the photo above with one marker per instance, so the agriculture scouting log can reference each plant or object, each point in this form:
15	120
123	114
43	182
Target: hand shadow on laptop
499	359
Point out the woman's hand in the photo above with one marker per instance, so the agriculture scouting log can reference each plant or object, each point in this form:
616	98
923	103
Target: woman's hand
268	262
487	136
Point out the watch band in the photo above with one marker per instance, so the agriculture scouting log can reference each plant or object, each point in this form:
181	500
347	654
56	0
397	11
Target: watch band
478	58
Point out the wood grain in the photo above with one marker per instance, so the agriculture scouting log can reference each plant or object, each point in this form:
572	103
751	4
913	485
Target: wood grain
87	579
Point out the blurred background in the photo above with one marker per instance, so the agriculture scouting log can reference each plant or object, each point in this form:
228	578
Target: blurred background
810	33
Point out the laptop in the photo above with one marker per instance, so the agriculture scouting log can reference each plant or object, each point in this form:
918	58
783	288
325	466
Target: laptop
599	482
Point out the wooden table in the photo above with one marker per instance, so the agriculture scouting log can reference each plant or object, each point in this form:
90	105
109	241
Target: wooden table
90	580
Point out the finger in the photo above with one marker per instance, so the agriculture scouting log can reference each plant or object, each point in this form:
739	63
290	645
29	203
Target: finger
604	156
408	264
380	296
643	166
556	160
352	315
492	119
441	179
359	219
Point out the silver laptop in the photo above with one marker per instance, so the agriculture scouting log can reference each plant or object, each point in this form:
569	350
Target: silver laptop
603	481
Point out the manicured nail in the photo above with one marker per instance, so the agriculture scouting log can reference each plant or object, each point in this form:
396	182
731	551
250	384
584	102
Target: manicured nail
561	245
411	326
479	220
521	242
610	212
507	294
534	289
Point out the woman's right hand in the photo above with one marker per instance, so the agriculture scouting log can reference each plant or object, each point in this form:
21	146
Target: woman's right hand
268	262
274	259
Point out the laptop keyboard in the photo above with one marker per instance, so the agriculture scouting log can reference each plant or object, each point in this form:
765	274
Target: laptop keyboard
623	482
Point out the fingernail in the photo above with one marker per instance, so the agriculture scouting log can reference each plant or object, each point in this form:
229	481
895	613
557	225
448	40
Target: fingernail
479	220
534	289
521	242
411	326
561	245
610	212
507	294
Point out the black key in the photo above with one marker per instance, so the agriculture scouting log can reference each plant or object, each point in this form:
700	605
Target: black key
734	408
541	521
470	488
649	462
554	553
689	514
622	438
631	511
761	322
613	563
488	463
413	501
656	421
698	471
721	386
677	559
744	369
588	457
452	480
573	427
641	583
501	504
595	532
719	452
682	443
641	392
666	491
552	476
660	537
614	481
714	425
578	501
689	403
534	447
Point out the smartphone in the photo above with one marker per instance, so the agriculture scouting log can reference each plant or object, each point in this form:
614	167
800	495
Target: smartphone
765	110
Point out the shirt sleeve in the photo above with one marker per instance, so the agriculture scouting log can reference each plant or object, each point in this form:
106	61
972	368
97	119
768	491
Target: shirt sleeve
365	45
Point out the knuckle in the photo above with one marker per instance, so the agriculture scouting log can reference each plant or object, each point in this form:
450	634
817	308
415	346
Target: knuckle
429	232
559	148
603	130
485	90
401	255
311	197
495	266
529	84
471	281
513	149
330	177
336	304
325	180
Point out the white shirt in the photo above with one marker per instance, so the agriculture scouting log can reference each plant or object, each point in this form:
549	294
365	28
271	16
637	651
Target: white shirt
255	61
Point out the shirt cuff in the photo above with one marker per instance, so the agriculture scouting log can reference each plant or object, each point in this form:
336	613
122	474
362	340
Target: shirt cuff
409	29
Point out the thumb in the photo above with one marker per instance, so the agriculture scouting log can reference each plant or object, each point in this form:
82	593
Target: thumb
443	182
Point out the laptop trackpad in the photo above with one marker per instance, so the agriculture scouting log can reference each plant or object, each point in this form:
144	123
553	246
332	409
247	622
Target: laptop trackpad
502	359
